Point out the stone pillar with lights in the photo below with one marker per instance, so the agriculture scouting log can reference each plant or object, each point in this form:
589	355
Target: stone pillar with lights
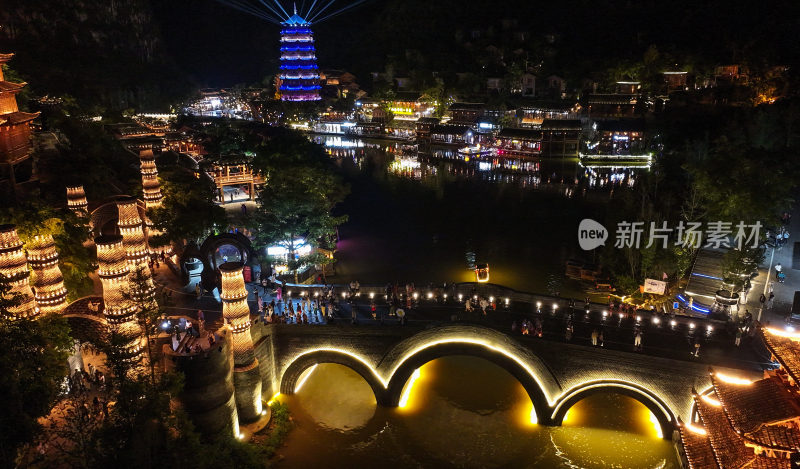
76	200
246	373
51	296
14	266
114	272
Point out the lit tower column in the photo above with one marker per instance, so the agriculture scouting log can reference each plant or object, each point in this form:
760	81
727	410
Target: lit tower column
113	272
135	242
299	74
151	188
51	296
246	374
132	230
76	200
14	265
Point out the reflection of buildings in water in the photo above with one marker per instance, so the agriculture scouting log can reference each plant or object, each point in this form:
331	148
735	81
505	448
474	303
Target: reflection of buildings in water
610	177
563	177
410	167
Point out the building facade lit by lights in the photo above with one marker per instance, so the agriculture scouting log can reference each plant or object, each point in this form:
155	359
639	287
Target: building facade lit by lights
739	423
51	296
299	75
14	266
16	164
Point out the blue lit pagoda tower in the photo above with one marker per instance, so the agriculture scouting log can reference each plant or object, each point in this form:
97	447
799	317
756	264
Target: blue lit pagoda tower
299	76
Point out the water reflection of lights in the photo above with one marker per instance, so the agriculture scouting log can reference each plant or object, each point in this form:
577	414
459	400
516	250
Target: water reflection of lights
656	426
304	377
568	180
407	389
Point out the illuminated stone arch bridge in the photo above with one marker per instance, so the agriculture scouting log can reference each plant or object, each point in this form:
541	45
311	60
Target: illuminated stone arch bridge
554	375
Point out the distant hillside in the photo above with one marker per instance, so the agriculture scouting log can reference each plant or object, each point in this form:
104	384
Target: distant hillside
105	53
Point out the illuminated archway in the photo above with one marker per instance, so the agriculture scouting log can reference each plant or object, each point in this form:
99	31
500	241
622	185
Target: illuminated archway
406	369
294	372
663	414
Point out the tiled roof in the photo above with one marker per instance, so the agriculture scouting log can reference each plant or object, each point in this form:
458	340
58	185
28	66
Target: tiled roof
777	436
7	86
762	402
786	351
561	124
522	134
763	462
729	448
698	450
18	117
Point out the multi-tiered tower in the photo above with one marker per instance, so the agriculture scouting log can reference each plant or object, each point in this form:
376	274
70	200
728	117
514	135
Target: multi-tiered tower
235	310
151	188
15	133
137	253
14	266
118	310
299	75
76	200
132	230
51	296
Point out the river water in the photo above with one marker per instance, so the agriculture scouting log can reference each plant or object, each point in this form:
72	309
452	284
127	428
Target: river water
462	412
415	217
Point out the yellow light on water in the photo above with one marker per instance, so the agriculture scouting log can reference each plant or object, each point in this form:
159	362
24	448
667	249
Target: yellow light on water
407	389
304	377
656	425
534	418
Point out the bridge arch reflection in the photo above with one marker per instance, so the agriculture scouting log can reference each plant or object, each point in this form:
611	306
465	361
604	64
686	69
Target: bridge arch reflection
552	384
657	407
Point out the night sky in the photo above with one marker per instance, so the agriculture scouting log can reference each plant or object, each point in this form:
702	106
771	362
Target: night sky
218	45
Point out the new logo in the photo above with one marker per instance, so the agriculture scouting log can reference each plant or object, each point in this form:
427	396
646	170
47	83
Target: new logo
591	234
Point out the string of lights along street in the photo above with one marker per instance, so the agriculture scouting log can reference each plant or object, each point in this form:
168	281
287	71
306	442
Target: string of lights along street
298	79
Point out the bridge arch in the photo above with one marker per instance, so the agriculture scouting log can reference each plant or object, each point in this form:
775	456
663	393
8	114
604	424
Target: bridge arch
662	412
464	339
404	371
295	370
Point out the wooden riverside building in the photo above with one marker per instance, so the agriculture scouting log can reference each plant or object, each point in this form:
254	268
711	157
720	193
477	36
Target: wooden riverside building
16	164
748	424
